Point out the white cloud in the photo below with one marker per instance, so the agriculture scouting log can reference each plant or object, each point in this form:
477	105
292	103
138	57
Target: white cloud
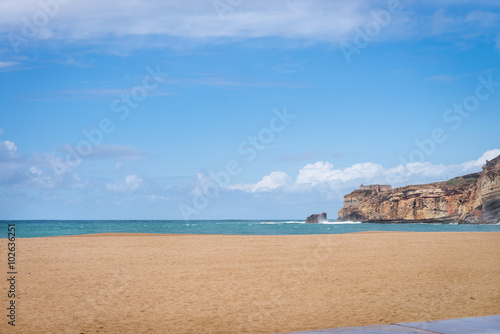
314	20
7	150
318	172
202	182
488	155
322	175
128	185
47	170
12	170
36	178
269	182
35	171
193	19
322	172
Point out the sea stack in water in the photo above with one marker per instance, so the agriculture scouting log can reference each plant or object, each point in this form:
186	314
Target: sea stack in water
317	218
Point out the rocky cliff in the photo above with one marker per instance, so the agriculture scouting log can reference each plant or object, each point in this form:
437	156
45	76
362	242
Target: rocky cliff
469	199
489	190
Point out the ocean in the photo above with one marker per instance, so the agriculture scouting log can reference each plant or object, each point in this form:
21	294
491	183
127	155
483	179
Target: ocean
46	228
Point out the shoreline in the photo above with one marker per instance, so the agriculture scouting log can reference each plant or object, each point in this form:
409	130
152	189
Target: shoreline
135	234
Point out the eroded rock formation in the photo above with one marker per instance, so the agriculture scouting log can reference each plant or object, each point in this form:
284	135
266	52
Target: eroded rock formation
473	198
489	189
318	218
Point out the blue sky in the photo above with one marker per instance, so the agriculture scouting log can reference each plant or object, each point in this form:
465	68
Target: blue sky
238	109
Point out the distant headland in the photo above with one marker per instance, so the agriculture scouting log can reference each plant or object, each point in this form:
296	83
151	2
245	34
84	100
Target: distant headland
468	199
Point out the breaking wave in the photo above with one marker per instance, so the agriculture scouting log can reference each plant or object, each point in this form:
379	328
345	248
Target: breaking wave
303	222
288	222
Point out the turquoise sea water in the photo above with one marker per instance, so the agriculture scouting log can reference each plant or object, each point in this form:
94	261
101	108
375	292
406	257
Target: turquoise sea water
45	228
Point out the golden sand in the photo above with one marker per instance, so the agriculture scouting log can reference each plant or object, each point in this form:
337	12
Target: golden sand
254	284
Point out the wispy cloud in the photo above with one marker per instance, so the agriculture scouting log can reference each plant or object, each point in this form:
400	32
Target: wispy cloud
128	185
482	18
6	64
112	93
112	152
42	170
216	81
8	150
450	78
121	152
193	19
89	94
33	171
442	78
288	68
269	182
313	20
447	20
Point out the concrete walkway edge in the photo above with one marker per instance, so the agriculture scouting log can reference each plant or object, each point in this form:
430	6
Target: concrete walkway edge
477	325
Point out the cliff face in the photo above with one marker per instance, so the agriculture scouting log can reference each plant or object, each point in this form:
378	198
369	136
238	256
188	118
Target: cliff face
473	198
489	189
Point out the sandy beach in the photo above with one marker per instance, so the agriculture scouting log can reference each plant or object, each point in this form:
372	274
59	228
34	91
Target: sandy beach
250	284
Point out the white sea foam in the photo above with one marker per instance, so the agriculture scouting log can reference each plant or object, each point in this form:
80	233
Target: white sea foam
288	222
339	223
303	222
